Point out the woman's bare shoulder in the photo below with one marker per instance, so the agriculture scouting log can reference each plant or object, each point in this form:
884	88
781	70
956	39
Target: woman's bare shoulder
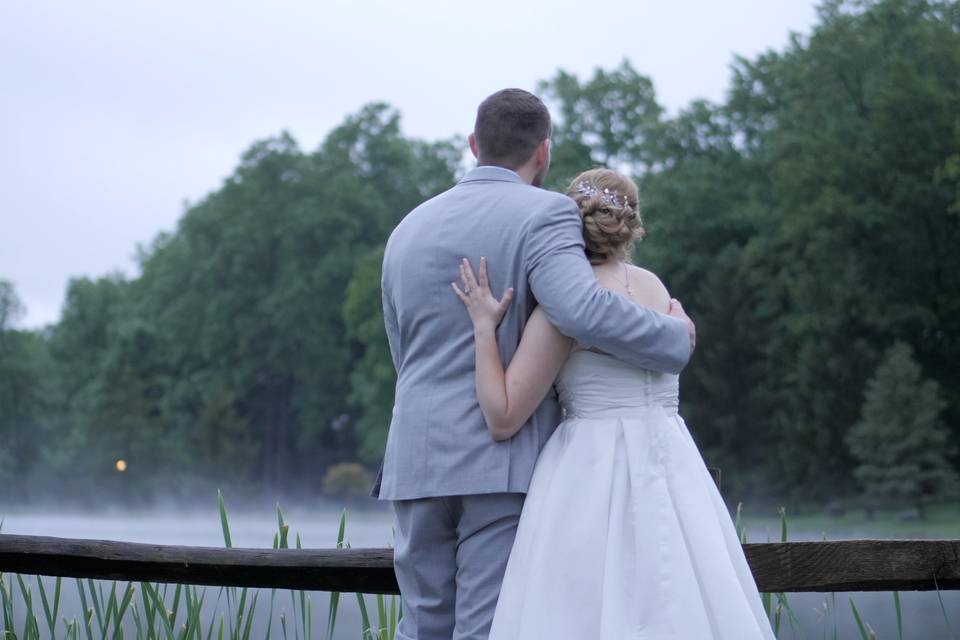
648	289
645	276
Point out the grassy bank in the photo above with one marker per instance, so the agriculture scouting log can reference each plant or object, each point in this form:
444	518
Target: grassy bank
939	521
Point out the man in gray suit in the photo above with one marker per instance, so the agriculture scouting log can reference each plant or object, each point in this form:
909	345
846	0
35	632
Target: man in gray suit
456	492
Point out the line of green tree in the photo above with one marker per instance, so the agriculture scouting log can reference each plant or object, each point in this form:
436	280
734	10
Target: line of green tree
810	224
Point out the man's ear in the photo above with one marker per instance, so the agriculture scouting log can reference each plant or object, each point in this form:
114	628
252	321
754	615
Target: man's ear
543	153
472	139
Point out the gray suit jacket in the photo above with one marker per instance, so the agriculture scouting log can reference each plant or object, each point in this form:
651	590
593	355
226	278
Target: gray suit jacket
438	443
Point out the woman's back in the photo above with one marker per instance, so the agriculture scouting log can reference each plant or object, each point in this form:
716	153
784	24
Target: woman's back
635	283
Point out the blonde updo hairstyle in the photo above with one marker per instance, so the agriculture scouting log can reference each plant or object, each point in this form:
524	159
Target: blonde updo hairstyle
609	230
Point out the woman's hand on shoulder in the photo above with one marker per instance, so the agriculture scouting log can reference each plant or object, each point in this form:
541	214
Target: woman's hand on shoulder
484	309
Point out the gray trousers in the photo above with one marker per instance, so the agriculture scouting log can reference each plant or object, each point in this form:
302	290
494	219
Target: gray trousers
450	555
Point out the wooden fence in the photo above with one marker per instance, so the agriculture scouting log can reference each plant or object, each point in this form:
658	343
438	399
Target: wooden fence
853	565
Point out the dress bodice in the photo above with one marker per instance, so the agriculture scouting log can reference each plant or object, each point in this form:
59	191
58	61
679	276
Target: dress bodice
622	476
598	385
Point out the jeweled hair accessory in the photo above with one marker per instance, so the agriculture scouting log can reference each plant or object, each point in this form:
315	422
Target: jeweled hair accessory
607	196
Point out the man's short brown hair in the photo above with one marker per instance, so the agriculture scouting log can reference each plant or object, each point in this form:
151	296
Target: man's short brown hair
510	124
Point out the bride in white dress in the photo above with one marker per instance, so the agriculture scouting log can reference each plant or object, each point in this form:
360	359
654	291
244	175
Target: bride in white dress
623	533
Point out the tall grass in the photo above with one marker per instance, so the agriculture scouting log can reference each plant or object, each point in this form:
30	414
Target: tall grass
777	604
149	611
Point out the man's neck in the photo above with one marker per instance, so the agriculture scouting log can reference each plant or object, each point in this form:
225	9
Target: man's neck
525	173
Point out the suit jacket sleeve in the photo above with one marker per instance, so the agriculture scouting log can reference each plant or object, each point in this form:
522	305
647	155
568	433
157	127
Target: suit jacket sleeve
390	321
392	329
564	285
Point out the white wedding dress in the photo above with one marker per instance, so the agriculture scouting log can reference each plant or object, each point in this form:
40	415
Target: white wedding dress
623	533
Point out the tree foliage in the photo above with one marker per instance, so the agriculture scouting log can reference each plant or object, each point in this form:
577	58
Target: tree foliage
900	444
807	221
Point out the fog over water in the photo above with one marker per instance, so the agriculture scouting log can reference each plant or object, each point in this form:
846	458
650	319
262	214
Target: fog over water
371	526
367	527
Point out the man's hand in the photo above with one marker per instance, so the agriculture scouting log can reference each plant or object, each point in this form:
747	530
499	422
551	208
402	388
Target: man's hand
676	310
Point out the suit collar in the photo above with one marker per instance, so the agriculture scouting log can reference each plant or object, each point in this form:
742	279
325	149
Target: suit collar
488	173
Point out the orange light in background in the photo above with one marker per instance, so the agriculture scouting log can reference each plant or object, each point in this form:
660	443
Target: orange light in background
121	465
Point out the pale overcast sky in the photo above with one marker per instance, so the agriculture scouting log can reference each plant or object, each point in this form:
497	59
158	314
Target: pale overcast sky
113	112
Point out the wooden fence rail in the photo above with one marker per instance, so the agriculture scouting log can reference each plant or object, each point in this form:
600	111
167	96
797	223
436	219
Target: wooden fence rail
853	565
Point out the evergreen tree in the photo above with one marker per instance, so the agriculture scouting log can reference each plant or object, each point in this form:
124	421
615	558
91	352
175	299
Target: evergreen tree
900	442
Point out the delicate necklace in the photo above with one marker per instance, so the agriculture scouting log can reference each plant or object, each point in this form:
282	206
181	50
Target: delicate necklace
626	280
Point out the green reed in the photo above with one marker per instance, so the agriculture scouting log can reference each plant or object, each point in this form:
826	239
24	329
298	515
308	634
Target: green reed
149	611
777	605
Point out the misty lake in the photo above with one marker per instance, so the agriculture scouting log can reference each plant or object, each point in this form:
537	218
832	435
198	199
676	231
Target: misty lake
372	527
